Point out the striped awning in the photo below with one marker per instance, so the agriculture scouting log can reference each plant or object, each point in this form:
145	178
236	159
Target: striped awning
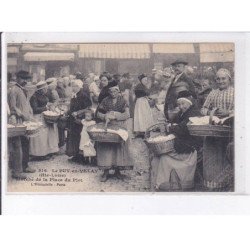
173	48
216	52
12	49
43	56
116	51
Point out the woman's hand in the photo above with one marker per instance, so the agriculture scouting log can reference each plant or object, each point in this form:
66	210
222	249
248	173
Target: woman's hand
110	116
222	112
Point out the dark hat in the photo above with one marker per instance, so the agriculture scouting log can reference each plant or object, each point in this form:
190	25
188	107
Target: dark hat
117	76
23	74
184	94
179	61
126	75
141	76
105	74
79	76
113	83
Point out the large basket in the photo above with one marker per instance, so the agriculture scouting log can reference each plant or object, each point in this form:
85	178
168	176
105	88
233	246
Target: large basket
16	131
210	130
51	119
104	136
158	148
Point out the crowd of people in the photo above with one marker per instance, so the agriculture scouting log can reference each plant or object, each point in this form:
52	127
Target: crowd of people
122	100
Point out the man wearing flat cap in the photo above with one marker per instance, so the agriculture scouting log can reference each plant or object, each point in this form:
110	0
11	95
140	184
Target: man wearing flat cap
181	81
20	111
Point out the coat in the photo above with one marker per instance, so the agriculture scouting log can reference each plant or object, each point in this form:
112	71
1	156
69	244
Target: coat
80	102
184	142
19	104
171	97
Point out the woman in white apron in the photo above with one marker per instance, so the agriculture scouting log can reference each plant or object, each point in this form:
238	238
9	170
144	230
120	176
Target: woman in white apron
46	142
143	117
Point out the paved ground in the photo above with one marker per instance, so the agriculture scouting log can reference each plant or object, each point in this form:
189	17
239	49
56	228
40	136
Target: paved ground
60	175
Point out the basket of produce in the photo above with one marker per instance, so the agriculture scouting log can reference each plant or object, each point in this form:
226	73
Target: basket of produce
110	133
51	116
16	130
158	142
32	128
210	126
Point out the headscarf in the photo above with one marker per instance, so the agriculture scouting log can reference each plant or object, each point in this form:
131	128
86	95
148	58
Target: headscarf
225	71
185	96
78	82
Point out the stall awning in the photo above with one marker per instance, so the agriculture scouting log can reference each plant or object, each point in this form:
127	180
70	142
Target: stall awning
116	51
12	49
173	48
43	56
216	52
11	61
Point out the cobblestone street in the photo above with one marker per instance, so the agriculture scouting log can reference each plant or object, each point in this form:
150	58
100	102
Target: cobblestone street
86	177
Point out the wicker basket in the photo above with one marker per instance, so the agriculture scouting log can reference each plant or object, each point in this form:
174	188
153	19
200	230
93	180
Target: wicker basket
210	130
158	148
16	131
50	118
104	136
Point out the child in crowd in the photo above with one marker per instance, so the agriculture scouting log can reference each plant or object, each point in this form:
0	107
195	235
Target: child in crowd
86	145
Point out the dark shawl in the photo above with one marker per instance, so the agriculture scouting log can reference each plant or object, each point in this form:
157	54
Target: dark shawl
38	102
80	102
184	142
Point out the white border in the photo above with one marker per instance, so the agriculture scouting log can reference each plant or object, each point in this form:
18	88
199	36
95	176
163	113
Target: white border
140	202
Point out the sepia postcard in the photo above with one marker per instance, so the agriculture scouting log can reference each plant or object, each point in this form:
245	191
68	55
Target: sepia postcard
119	116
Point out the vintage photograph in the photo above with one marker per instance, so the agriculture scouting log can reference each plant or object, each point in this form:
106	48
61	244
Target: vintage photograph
120	117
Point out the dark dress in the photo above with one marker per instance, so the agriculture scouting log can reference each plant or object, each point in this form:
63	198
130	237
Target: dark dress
184	142
46	142
182	160
80	102
61	92
103	94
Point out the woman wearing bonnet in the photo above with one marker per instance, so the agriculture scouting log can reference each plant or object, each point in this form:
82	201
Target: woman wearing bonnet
217	152
178	167
114	110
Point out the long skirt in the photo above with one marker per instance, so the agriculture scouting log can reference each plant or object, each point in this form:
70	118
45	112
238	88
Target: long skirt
218	169
143	117
114	154
73	138
164	166
46	141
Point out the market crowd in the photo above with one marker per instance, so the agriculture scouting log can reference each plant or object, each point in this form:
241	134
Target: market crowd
128	102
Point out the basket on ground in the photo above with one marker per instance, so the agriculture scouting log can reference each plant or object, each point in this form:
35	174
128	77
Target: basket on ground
158	147
98	133
16	131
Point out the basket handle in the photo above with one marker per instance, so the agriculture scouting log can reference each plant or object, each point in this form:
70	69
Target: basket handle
147	133
211	115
